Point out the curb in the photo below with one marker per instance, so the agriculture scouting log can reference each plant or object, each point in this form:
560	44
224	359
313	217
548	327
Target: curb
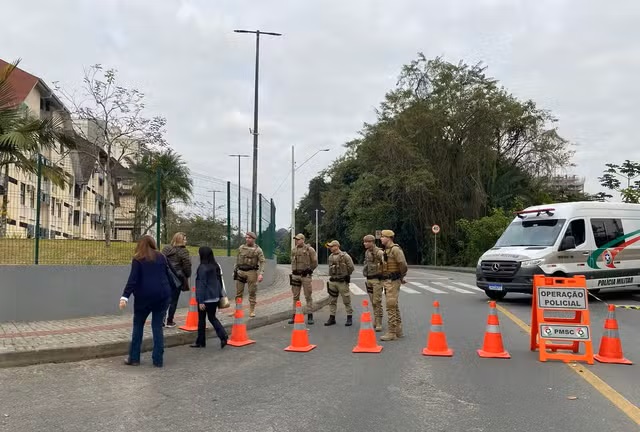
443	268
111	349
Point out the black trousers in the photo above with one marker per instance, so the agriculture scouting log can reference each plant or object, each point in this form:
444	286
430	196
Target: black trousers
210	312
175	296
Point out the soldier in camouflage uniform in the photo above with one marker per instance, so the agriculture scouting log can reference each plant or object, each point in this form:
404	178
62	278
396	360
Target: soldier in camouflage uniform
394	271
304	261
340	269
249	269
372	271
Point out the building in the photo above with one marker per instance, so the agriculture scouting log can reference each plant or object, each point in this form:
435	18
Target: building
567	184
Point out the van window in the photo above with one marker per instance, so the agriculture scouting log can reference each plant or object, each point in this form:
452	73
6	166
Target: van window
537	232
578	231
606	230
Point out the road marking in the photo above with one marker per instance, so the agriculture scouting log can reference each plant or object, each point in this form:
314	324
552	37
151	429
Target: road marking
632	411
409	290
356	290
428	288
460	290
475	288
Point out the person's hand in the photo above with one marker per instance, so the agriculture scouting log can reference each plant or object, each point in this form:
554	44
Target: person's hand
202	306
260	277
402	281
122	305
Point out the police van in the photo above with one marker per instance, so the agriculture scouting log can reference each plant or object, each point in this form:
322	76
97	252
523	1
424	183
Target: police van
596	239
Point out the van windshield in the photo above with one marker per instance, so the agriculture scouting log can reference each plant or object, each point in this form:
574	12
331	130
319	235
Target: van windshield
531	233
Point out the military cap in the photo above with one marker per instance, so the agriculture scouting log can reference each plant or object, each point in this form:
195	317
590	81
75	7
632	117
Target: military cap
252	235
299	237
387	233
369	238
333	243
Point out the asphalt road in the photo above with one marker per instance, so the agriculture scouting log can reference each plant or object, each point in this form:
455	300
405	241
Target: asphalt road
263	388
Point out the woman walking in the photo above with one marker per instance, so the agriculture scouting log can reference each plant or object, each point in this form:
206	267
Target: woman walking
151	287
179	258
209	291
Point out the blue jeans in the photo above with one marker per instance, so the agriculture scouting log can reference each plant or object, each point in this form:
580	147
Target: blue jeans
140	316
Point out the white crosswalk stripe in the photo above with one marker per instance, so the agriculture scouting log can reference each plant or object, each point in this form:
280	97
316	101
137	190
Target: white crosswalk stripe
356	290
460	290
408	290
475	288
428	288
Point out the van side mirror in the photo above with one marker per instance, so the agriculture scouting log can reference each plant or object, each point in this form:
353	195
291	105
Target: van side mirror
568	242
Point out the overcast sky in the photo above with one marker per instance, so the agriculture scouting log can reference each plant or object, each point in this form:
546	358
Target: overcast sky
332	67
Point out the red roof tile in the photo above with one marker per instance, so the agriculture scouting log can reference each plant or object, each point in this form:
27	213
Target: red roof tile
21	83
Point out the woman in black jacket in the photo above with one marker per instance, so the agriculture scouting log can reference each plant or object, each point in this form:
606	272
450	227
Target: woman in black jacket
209	292
178	256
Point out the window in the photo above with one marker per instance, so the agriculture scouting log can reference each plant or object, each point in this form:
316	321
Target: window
577	230
53	206
32	198
607	230
76	217
59	209
537	232
23	193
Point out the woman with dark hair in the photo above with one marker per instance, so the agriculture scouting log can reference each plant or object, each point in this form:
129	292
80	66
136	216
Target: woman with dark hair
209	292
151	287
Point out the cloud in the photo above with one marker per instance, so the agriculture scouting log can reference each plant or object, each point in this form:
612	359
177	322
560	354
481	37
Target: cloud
324	77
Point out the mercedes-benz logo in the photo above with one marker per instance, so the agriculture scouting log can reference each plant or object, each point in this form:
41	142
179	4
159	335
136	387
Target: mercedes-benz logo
495	267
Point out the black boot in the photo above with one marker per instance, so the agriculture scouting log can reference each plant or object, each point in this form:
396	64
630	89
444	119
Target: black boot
332	320
349	321
293	317
310	319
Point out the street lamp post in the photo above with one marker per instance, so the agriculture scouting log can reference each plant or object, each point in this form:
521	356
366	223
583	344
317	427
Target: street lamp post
214	203
293	186
317	211
254	132
239	195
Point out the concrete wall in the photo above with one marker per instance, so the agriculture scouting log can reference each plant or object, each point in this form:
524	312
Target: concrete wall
37	293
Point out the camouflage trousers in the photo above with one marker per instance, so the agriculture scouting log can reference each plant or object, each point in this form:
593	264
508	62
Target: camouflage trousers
299	283
249	278
391	291
335	289
375	289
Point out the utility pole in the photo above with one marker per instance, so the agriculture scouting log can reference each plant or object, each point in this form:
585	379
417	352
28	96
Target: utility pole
254	131
214	203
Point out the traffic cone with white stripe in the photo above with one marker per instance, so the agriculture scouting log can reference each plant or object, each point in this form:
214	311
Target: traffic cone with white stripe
492	347
437	340
610	345
239	335
299	336
192	316
367	342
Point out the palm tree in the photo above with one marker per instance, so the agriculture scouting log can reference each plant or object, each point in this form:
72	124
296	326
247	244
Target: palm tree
175	182
23	137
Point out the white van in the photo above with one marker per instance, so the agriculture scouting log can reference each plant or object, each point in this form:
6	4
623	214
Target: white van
596	239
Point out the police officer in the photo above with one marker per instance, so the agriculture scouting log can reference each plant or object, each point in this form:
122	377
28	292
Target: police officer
249	269
340	269
372	271
394	271
304	261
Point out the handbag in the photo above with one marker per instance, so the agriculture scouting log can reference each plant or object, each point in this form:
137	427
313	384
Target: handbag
174	280
224	302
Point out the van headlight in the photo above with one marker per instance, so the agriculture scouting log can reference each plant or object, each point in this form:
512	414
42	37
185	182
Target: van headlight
479	262
531	263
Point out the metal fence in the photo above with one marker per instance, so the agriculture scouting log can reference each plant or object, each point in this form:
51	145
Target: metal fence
67	224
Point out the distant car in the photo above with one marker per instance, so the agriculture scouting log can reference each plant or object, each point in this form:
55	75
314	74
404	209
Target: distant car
598	240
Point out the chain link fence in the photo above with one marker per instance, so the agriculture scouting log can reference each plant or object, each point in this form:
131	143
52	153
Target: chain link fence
42	222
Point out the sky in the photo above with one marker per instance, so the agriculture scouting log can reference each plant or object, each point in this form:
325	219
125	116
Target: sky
325	76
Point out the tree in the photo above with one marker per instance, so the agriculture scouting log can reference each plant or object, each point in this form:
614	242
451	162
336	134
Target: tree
110	117
23	137
620	178
480	235
174	181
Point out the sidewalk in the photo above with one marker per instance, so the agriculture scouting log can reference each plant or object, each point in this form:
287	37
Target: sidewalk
27	343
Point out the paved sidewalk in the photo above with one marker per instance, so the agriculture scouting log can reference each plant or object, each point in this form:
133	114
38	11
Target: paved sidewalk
27	343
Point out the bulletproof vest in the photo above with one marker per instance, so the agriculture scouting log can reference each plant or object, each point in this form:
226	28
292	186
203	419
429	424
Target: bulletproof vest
338	265
248	255
301	258
391	262
373	262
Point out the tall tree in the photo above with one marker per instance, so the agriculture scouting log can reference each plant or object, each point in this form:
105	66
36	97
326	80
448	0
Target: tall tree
111	118
622	179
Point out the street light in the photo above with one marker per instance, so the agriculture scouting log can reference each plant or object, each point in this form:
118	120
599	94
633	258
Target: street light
239	199
317	210
214	203
254	132
293	188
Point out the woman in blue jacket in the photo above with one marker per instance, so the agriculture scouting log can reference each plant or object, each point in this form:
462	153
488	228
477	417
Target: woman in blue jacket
209	292
150	285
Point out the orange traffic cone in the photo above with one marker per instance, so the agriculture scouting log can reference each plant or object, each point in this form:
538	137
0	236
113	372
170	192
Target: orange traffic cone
192	316
239	335
437	340
367	342
610	344
492	347
299	337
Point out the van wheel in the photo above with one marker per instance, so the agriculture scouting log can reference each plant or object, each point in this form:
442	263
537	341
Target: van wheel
495	295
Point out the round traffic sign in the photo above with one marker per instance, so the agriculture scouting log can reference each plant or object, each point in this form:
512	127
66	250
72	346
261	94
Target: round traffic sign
435	229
